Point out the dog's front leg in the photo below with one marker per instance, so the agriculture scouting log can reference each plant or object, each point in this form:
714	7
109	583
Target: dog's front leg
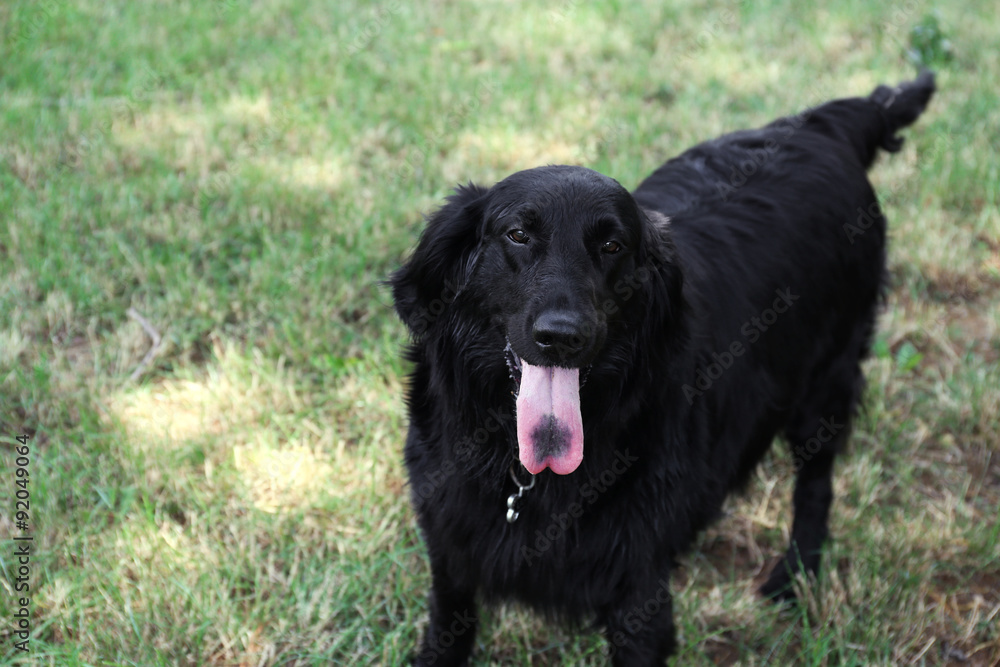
453	621
641	632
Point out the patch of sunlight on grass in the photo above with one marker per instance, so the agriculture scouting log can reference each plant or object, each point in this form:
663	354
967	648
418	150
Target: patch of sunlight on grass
234	392
937	243
148	552
577	26
180	410
183	132
241	410
163	547
12	344
368	458
509	151
862	83
279	478
329	174
240	107
199	140
742	75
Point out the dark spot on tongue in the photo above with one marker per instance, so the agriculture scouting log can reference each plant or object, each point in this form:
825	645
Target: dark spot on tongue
551	438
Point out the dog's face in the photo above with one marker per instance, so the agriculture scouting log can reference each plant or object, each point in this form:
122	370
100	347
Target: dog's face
551	256
555	242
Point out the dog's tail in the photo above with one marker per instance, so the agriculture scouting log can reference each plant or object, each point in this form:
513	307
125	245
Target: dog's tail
895	109
902	105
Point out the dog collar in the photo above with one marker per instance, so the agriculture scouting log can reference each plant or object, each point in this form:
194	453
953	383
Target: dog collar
514	499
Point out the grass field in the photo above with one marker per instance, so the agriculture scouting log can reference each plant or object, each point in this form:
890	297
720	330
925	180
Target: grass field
233	178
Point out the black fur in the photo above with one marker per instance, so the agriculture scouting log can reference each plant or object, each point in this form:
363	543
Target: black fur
744	316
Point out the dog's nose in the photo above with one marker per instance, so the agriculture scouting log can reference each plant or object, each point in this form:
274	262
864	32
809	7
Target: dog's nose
558	331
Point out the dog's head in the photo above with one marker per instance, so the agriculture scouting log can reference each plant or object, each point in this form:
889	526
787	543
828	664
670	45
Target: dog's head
554	259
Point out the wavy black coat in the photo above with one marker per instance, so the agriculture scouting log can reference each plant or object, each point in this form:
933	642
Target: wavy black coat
739	309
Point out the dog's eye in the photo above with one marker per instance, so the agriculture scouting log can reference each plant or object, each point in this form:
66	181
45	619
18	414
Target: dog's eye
611	247
517	236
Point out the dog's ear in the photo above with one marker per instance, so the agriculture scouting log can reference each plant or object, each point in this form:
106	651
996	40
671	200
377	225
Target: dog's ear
442	263
666	303
657	245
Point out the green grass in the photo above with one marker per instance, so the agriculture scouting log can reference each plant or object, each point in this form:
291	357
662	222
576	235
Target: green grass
243	174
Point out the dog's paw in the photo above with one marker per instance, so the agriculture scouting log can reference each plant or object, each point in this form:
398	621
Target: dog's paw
779	587
429	658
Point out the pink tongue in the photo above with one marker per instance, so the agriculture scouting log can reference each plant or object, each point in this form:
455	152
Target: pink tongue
549	425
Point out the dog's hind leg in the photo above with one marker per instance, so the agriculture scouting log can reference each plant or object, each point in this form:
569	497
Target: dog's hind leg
816	433
811	502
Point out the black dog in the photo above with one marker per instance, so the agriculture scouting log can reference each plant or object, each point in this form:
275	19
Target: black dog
645	348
